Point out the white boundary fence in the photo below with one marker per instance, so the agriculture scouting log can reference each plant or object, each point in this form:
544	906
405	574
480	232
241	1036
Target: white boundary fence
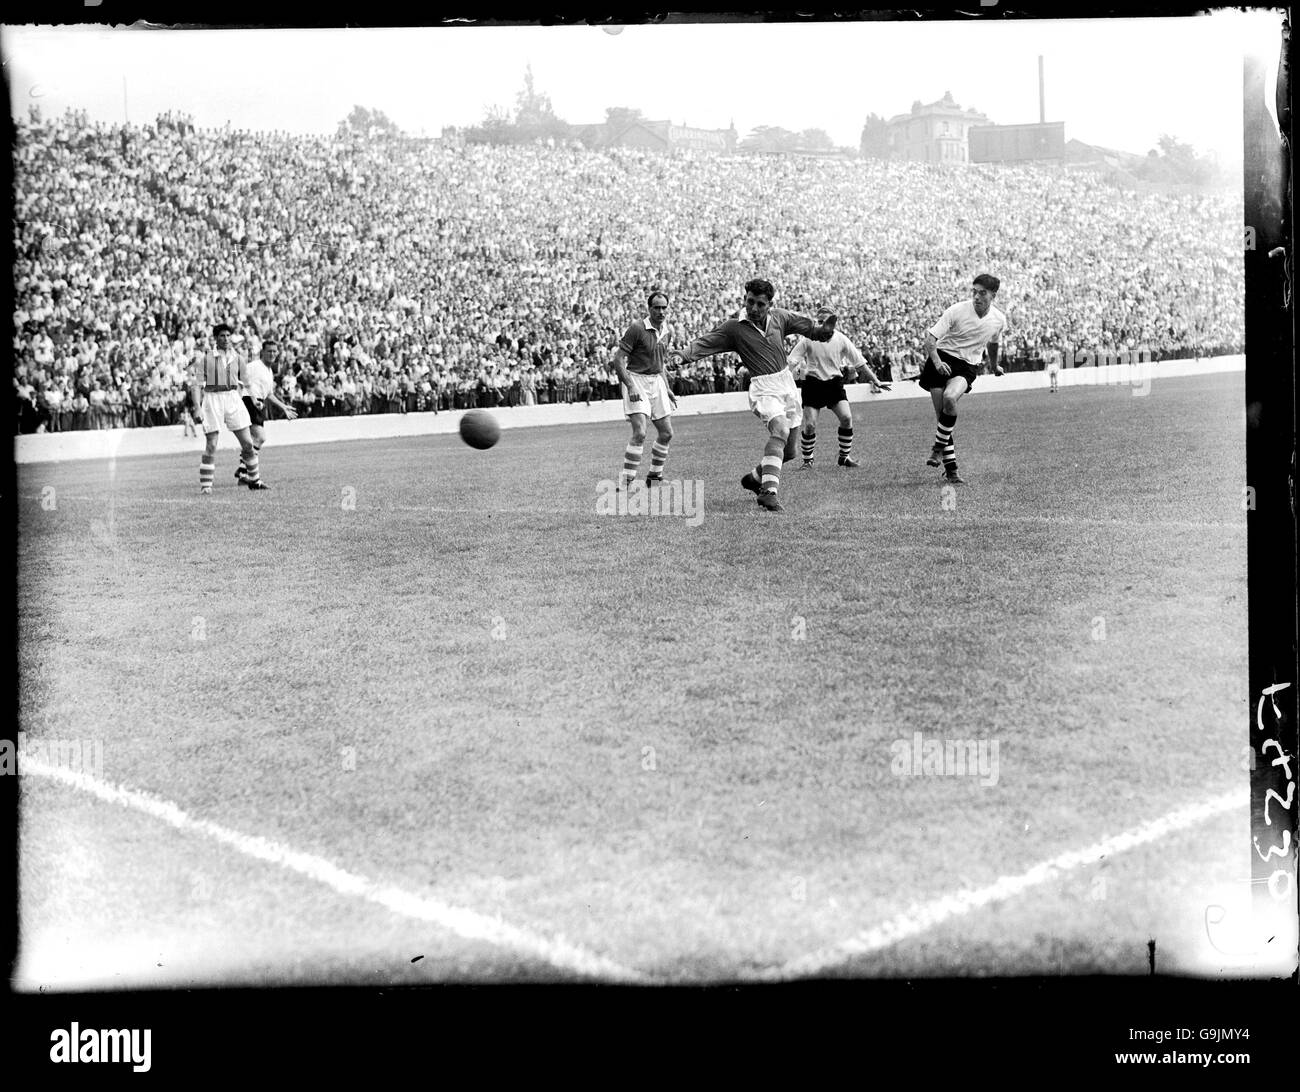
171	439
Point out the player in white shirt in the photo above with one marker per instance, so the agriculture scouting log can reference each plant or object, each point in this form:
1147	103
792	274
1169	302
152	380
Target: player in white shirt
259	388
954	347
1054	368
820	368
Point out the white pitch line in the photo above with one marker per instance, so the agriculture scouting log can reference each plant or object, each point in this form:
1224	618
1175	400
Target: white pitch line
463	923
923	917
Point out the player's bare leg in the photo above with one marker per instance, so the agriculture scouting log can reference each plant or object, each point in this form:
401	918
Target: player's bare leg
632	453
208	462
936	449
249	454
659	451
808	437
844	414
790	445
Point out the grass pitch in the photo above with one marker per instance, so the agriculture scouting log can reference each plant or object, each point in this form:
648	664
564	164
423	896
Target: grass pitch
674	745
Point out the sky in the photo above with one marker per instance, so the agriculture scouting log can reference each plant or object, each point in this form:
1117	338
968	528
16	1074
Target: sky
1117	83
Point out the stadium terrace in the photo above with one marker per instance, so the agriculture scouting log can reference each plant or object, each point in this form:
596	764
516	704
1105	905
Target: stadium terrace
410	275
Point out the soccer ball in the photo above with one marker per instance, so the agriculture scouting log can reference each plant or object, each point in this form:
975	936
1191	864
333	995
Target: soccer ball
479	429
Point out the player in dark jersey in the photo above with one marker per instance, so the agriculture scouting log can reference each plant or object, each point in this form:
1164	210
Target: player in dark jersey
758	339
639	363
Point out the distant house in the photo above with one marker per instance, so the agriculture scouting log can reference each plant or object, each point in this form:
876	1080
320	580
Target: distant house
933	133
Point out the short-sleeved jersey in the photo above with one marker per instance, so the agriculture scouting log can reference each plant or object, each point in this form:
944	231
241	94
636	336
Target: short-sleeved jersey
646	348
824	359
761	351
259	381
218	369
963	333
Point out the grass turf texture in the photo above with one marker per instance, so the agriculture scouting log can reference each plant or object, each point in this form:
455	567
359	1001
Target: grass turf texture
441	669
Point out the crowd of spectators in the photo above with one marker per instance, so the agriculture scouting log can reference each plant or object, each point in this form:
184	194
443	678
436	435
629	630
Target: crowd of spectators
404	275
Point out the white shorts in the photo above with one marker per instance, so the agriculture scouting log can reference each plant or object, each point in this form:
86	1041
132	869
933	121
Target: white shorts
224	407
656	400
772	396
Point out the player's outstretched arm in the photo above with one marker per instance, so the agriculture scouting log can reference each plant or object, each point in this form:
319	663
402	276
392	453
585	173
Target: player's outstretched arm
820	329
876	384
715	341
289	412
994	351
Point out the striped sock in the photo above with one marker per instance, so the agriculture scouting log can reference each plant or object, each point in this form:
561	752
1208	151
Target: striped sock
658	456
207	470
809	442
943	439
770	473
631	462
846	441
943	432
250	468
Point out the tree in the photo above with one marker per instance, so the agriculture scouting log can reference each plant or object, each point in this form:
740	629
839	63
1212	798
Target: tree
368	125
496	119
875	138
618	118
773	139
768	138
1177	162
534	119
814	140
533	109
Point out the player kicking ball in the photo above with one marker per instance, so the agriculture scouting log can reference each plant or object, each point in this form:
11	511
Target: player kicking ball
954	347
758	338
822	367
639	362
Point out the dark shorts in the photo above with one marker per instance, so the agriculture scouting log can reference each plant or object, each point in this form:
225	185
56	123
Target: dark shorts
255	416
823	393
931	378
